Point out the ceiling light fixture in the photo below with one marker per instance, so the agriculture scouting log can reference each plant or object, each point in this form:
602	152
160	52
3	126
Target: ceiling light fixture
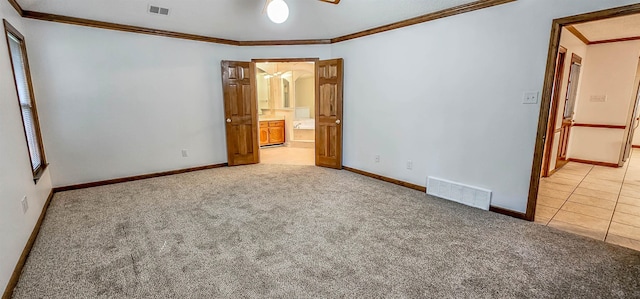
278	11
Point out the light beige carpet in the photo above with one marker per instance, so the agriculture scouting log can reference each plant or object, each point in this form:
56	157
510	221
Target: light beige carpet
305	232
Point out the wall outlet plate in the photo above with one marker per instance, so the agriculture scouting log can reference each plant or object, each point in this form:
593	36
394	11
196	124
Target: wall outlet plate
376	158
530	97
185	153
409	164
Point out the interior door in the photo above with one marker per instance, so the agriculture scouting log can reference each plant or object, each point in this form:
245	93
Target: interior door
240	113
329	86
634	125
569	107
553	112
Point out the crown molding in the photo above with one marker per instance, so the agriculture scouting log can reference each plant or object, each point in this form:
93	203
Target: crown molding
469	7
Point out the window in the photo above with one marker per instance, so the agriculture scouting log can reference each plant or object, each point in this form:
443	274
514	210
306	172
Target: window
22	77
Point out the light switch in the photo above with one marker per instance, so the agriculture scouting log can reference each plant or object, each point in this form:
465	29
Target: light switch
530	97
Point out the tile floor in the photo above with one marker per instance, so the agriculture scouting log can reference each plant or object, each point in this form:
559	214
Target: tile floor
287	155
594	201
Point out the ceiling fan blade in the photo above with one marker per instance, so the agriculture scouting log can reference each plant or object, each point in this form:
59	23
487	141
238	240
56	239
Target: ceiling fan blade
331	1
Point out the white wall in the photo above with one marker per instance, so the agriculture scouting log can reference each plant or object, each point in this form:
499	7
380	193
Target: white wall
449	98
447	95
609	71
118	104
573	46
16	179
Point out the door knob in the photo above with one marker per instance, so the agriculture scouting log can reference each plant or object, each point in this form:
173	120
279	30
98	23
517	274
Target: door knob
228	120
337	121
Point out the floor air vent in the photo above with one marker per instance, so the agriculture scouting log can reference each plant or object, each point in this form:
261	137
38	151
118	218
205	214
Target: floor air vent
158	10
467	195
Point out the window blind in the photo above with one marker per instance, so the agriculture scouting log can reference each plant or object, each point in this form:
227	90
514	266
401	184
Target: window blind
24	96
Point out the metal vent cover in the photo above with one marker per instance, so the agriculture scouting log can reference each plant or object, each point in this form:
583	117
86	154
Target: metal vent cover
157	10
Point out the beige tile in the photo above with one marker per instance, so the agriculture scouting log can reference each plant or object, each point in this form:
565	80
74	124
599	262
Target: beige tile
629	209
551	202
581	173
600	181
631	187
555	186
554	193
541	220
624	242
568	176
604	176
629	200
563	181
600	213
545	212
287	155
586	221
611	188
593	201
597	194
627	219
630	192
578	165
632	180
579	230
624	230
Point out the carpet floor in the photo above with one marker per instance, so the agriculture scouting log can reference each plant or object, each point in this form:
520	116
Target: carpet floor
302	232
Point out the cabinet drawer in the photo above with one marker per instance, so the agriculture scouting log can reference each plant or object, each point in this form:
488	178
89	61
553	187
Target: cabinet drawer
278	123
264	124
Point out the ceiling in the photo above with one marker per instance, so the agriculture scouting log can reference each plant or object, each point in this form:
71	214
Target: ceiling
243	19
613	28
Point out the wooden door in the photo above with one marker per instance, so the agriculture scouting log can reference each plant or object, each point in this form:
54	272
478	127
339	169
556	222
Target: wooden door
569	106
329	83
553	112
240	112
565	130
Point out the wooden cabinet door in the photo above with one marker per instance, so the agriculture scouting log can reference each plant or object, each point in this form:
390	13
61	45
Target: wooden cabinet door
264	135
276	135
238	83
329	82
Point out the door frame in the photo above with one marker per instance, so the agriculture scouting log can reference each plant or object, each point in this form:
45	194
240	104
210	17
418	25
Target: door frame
255	90
547	90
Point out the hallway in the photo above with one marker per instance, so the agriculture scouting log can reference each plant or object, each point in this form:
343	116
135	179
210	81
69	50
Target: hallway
594	201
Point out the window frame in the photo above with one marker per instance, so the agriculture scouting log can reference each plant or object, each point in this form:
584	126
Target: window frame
9	29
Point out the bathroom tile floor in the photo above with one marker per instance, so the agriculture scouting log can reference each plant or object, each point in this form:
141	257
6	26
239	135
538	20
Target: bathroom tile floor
594	201
287	155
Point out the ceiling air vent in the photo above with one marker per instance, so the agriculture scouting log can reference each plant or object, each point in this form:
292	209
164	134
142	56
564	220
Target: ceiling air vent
156	10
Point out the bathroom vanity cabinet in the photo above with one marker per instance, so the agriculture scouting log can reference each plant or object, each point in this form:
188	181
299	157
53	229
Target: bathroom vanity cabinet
272	132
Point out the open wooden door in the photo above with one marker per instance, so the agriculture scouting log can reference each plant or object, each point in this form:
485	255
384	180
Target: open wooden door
329	82
569	107
238	84
553	112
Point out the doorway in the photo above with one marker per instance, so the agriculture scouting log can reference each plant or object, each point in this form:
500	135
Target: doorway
286	111
587	119
275	121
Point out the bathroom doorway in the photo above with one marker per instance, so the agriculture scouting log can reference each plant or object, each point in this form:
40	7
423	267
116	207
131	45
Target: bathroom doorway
285	94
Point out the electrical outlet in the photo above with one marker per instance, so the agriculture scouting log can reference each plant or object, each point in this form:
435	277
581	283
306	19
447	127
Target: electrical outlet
25	205
409	164
377	158
530	97
185	153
